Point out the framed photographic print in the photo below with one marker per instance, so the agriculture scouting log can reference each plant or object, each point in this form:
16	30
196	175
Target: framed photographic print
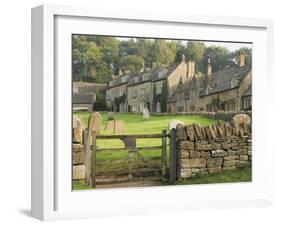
135	112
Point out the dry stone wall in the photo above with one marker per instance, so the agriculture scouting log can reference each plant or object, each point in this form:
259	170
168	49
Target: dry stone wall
220	115
78	152
214	148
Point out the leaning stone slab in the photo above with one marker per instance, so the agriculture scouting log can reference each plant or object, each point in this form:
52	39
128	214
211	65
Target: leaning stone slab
219	153
190	132
190	163
214	162
78	172
212	132
198	132
208	134
181	134
221	128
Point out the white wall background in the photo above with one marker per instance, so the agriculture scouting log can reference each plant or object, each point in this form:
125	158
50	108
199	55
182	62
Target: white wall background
15	111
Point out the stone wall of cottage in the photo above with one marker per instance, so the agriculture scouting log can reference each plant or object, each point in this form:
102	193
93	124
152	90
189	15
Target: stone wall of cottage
214	148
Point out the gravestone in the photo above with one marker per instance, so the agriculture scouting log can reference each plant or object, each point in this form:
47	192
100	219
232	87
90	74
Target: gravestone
241	120
109	125
110	116
94	123
173	124
118	126
145	114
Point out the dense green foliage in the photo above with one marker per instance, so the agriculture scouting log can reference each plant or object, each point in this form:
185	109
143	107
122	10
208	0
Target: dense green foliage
97	58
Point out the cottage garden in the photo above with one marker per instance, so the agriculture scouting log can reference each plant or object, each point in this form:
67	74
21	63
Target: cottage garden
136	124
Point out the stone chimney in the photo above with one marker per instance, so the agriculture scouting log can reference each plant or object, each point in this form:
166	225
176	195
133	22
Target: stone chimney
182	58
209	69
190	69
242	58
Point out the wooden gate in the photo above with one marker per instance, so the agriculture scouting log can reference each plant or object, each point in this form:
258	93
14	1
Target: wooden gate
132	150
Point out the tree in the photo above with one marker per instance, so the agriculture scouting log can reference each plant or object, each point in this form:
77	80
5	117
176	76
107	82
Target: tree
162	54
131	63
219	58
86	56
194	50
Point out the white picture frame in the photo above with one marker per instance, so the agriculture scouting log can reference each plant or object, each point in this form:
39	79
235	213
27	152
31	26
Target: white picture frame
52	197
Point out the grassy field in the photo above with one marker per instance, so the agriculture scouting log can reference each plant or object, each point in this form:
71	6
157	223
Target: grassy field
134	124
230	176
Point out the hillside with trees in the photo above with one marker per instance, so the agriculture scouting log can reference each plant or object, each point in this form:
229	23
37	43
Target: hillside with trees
97	58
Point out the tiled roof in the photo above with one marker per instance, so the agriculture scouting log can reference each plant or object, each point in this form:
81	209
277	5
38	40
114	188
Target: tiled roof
224	79
86	87
155	74
227	78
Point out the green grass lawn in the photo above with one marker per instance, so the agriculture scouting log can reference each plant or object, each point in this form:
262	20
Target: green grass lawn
134	124
230	176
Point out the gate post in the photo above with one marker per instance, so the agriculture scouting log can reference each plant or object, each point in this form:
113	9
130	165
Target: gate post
164	154
87	156
93	168
173	157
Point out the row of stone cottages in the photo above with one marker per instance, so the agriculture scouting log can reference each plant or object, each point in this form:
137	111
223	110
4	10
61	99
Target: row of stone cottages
229	89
